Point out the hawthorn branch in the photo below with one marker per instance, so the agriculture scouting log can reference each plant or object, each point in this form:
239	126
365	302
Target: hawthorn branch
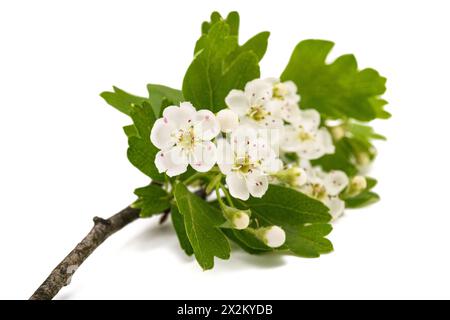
103	228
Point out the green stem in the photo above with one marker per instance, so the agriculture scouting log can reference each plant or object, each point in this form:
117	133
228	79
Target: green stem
194	177
219	198
227	194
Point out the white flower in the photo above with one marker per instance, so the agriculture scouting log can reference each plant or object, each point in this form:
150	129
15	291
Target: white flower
326	187
255	105
228	120
183	134
285	91
306	138
246	160
272	236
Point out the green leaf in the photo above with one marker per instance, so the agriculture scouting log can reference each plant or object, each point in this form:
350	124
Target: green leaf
220	64
303	219
251	241
201	221
180	229
130	131
158	93
309	241
371	183
257	44
206	70
378	105
363	199
336	90
363	132
242	70
121	100
284	206
152	199
141	152
232	236
232	20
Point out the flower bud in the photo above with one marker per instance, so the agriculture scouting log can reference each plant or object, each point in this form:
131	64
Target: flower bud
228	120
357	184
239	219
338	132
272	236
362	159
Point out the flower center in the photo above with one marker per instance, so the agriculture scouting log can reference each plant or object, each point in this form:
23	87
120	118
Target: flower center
258	112
244	165
187	138
304	135
318	191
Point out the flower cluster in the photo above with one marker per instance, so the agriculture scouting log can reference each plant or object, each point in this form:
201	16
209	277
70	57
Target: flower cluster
248	142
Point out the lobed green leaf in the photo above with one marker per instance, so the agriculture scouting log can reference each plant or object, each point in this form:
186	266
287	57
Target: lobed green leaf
336	90
152	199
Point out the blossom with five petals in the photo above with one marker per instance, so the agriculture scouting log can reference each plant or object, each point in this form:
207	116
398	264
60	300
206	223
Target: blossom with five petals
184	136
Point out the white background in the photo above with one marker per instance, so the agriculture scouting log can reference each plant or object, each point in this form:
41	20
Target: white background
63	152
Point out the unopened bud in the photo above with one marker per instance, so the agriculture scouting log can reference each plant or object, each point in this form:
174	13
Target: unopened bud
338	132
239	219
357	184
273	236
362	159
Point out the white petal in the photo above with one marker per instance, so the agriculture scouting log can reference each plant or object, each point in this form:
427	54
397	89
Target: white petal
274	107
258	91
243	142
237	186
326	140
311	149
257	184
335	182
204	156
300	176
238	102
290	86
305	164
161	134
181	116
290	141
264	148
290	112
336	206
225	156
272	166
272	80
172	161
207	124
309	120
272	122
228	120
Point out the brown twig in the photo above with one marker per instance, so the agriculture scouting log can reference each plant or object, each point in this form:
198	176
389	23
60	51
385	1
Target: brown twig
103	228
